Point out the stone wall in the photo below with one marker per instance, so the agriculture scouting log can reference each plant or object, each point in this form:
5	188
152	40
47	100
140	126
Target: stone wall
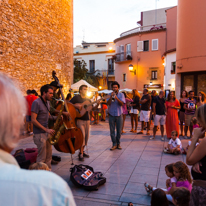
36	37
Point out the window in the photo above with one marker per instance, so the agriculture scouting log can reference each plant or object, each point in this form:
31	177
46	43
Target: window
143	45
101	45
91	65
173	68
122	53
110	66
85	47
154	75
128	49
124	77
154	44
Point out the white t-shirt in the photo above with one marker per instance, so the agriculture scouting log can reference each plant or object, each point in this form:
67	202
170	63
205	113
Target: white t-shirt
175	142
94	99
173	179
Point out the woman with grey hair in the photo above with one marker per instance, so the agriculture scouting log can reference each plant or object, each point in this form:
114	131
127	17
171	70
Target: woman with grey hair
19	186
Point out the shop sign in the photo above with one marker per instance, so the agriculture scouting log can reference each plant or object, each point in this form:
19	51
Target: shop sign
153	86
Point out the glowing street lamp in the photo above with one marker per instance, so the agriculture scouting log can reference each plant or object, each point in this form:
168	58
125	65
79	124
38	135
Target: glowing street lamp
131	69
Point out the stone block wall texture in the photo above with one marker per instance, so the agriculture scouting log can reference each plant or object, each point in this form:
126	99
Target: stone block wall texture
36	37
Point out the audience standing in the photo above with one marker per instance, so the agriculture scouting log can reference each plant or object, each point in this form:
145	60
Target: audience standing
172	121
134	110
159	110
103	108
29	98
196	156
97	108
190	108
19	186
153	96
145	111
124	108
201	99
182	110
115	102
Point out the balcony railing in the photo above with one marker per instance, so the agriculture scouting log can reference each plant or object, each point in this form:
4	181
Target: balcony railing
110	71
123	56
144	28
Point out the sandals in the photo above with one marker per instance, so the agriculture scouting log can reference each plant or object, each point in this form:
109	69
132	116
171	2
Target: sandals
131	130
148	188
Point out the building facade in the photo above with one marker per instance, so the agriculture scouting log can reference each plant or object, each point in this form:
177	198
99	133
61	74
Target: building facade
169	57
191	46
142	48
99	60
36	38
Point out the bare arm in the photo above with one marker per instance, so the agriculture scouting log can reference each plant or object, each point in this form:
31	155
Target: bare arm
143	101
37	124
195	154
154	108
110	100
172	188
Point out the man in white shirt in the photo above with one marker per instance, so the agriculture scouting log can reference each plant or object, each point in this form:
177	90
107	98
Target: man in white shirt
19	186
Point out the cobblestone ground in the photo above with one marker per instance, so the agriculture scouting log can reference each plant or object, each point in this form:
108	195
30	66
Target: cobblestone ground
141	160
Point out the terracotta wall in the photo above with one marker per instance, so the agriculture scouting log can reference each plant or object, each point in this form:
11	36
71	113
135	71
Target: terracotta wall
171	28
142	61
36	37
191	31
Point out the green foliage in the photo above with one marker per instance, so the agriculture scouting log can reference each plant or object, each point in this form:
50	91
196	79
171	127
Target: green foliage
81	72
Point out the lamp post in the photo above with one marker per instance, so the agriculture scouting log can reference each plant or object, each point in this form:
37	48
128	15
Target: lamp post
131	69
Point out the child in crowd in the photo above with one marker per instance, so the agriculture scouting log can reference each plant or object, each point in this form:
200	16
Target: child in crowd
181	196
170	173
194	123
174	145
182	174
159	198
39	166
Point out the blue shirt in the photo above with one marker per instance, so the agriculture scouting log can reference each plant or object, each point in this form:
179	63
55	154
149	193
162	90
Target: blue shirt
115	109
20	187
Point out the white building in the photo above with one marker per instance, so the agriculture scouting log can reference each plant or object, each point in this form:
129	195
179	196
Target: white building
170	68
98	57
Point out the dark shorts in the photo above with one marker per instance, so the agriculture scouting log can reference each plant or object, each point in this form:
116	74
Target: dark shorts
28	118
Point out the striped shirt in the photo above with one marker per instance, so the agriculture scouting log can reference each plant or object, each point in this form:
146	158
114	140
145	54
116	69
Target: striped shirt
187	102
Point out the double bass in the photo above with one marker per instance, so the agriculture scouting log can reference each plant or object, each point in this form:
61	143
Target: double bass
68	137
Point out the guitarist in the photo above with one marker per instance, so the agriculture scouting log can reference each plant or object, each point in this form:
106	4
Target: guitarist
83	122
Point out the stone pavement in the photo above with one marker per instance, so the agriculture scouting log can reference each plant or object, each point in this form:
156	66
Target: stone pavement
141	160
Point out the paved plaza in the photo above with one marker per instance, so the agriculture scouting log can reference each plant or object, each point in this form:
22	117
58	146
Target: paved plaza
126	170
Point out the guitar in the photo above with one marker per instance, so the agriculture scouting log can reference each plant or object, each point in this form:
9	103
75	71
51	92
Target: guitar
87	105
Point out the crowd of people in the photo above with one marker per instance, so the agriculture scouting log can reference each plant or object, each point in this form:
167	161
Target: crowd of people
182	188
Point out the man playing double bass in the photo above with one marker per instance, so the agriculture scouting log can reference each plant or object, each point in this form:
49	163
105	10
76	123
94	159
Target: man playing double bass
83	122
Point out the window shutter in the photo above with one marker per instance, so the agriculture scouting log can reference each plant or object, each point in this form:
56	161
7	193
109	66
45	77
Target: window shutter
117	49
122	48
128	49
140	46
154	44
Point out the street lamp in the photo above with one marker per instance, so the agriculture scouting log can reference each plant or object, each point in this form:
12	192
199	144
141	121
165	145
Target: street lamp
100	87
131	69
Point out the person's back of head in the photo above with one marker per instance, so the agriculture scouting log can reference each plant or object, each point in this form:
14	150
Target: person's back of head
39	166
159	198
181	196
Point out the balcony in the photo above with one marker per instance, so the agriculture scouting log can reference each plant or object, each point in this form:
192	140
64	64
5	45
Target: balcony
110	71
144	28
123	56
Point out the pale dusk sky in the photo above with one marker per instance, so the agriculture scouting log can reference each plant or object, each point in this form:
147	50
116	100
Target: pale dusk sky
105	20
